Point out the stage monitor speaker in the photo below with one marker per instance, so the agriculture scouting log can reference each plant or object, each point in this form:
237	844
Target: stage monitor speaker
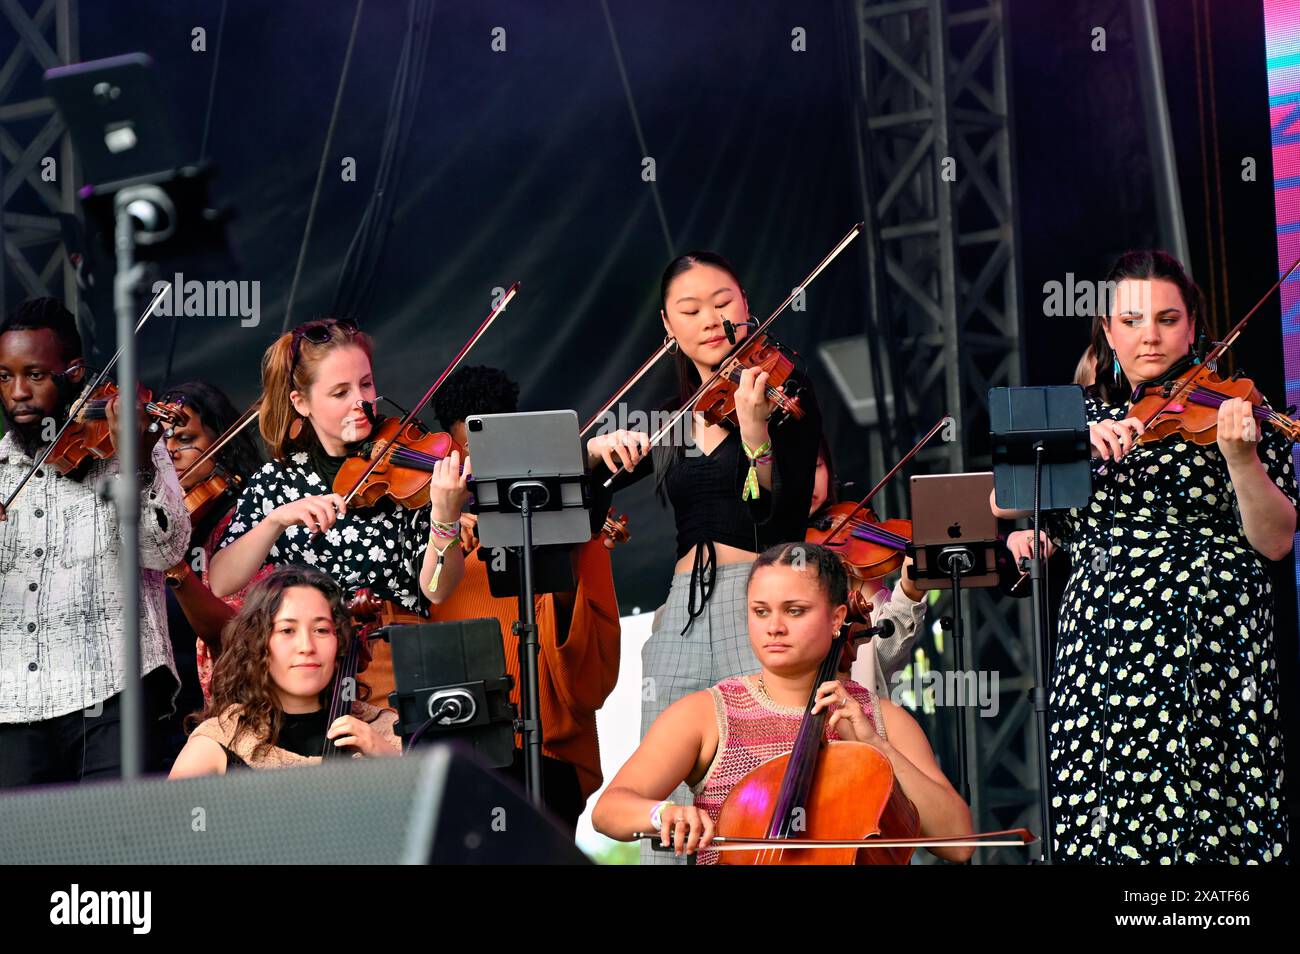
435	806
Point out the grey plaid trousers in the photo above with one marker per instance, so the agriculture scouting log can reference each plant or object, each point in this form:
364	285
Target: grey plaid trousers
715	648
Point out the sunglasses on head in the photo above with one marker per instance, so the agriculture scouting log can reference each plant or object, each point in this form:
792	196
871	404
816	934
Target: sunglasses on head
318	332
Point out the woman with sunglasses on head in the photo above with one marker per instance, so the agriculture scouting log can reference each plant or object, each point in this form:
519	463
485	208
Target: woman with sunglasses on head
740	488
1164	736
318	387
272	685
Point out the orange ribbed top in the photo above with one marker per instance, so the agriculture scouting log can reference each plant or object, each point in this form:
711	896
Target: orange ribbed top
574	676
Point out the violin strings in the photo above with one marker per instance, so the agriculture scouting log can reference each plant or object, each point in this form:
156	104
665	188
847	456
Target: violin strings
1208	397
877	534
775	395
404	455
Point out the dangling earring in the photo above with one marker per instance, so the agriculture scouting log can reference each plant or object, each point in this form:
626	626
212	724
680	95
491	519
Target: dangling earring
295	429
1115	367
670	343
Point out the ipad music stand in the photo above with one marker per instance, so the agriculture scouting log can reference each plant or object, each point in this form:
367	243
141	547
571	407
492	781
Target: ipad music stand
954	544
532	489
1040	443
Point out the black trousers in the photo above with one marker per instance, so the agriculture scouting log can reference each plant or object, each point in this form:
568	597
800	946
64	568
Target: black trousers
82	746
561	793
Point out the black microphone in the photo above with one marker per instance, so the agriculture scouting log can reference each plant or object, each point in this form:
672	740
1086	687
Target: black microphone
884	628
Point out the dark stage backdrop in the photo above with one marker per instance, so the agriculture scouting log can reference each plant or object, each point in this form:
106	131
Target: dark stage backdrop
521	165
526	164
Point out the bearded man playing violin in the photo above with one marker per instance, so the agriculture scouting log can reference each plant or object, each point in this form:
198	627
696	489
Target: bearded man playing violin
1164	736
715	740
61	602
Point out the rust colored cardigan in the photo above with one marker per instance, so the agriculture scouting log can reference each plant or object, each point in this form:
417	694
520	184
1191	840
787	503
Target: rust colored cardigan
576	671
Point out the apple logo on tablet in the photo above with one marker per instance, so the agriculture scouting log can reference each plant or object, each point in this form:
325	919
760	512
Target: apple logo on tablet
954	531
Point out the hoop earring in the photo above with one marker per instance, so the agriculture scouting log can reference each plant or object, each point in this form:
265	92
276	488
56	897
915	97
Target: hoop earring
670	343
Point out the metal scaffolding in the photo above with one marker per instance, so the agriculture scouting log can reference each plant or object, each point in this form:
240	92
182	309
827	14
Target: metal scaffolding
36	210
935	172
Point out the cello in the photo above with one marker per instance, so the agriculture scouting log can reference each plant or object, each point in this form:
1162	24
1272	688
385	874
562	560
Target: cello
370	615
827	802
823	791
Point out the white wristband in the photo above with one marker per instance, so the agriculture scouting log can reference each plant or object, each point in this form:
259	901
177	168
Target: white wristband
656	816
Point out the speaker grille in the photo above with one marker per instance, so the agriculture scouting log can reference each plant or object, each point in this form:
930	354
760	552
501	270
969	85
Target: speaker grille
429	806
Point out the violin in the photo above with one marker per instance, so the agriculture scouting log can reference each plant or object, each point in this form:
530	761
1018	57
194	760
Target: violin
202	495
397	462
616	527
87	433
871	548
1187	406
91	437
715	398
717	403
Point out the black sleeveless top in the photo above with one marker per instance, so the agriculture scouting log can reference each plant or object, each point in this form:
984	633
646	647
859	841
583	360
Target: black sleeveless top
705	491
302	733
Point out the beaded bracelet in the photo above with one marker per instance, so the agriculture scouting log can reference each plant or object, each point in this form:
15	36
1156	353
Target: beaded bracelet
443	531
758	456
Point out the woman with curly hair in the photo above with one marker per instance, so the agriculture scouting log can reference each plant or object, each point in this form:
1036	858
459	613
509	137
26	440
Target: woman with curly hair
273	681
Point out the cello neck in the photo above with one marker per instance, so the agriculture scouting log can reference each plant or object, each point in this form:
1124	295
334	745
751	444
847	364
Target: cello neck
797	783
344	694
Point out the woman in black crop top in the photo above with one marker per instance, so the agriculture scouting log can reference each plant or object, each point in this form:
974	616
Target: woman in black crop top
722	524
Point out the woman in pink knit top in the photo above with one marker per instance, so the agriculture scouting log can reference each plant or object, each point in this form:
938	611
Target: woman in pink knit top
797	603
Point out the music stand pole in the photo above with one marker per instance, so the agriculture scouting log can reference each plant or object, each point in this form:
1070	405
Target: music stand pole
525	629
1039	692
959	563
127	490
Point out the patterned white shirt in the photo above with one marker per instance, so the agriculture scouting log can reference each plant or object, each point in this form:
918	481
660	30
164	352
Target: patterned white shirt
60	593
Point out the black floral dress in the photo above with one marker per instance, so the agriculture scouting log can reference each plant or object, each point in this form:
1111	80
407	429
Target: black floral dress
1164	737
379	547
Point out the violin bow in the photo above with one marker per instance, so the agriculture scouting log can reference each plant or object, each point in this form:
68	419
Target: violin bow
653	360
1010	837
705	385
414	412
844	521
76	408
248	417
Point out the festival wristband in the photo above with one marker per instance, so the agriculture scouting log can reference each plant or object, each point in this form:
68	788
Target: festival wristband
437	567
656	816
758	456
